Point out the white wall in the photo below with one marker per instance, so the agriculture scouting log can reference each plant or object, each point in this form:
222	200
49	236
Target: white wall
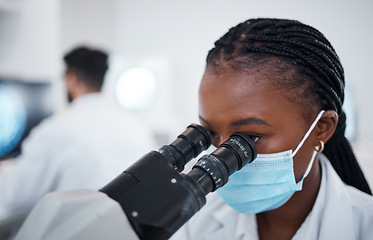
30	42
183	32
29	37
34	36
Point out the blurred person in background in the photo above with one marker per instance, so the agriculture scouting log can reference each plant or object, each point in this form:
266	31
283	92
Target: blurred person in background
84	146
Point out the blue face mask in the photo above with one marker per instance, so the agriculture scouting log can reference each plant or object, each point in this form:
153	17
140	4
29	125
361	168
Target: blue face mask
267	183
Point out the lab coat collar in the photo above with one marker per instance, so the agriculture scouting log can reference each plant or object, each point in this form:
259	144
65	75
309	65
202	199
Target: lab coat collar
338	213
240	223
311	226
220	216
89	100
86	97
331	216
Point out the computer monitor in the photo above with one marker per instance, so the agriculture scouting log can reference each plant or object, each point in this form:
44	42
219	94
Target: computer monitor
23	104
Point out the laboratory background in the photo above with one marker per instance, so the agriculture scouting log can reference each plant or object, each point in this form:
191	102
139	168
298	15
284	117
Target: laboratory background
157	54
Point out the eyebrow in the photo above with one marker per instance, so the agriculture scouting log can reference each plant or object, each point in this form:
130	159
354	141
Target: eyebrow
242	122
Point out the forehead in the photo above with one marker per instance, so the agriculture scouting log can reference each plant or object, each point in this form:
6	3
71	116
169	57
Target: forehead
234	94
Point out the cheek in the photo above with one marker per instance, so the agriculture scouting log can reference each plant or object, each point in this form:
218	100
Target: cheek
281	137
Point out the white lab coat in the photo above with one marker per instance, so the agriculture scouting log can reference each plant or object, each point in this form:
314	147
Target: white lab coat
340	212
85	146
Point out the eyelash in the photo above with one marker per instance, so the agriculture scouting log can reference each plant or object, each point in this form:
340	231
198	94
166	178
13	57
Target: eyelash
213	134
256	138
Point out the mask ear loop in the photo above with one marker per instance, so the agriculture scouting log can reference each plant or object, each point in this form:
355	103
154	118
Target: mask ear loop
314	152
318	149
308	132
309	165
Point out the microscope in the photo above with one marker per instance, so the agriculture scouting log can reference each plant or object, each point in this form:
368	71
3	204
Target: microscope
151	199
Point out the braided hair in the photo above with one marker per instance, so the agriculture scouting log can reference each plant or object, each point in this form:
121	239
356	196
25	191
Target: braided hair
319	73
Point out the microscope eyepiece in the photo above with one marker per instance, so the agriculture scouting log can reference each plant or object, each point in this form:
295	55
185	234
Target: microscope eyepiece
212	171
187	146
176	197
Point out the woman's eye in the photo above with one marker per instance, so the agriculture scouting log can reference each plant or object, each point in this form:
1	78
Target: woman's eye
214	138
213	134
254	137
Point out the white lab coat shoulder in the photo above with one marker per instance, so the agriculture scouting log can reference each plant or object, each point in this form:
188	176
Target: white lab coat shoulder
340	211
84	146
96	124
362	209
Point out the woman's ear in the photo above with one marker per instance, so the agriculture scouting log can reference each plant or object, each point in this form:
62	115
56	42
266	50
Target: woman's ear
327	125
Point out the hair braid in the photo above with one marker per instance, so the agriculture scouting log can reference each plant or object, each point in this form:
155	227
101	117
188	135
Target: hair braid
312	54
319	58
280	51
